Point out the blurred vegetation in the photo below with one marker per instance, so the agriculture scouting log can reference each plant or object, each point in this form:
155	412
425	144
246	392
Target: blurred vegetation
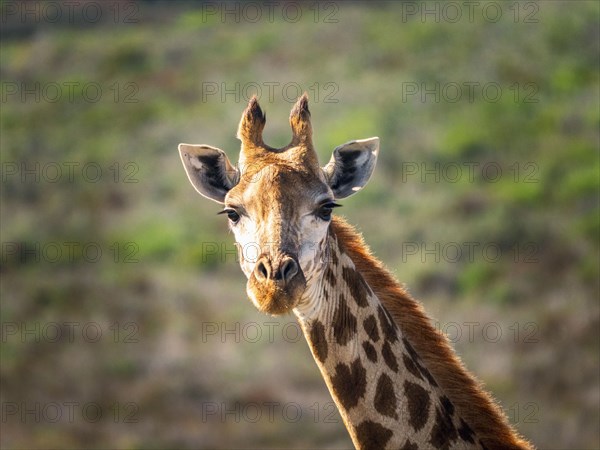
158	279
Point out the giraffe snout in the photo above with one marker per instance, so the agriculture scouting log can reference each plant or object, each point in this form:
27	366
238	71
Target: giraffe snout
277	283
282	271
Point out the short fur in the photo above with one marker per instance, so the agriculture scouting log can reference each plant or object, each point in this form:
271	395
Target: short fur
474	404
294	176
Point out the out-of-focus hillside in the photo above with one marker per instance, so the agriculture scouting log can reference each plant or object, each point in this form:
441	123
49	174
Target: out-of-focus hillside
124	317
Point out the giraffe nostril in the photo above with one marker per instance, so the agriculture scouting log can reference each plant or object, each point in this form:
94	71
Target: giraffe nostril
262	271
288	269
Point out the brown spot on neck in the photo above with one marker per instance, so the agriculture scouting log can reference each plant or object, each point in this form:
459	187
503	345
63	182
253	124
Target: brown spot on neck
319	341
447	405
370	351
385	397
370	326
357	286
465	432
408	445
443	432
418	402
417	362
349	383
389	357
387	324
411	367
372	435
344	323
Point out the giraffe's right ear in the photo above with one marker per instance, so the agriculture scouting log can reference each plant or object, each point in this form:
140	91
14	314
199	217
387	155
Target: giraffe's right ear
209	170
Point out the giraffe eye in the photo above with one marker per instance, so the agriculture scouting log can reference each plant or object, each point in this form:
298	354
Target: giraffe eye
232	214
324	211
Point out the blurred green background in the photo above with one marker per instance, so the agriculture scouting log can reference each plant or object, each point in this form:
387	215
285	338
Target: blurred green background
124	317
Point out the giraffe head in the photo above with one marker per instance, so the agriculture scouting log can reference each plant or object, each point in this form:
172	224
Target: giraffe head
279	201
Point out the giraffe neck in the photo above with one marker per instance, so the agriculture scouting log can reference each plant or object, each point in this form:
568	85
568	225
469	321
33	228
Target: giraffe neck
385	394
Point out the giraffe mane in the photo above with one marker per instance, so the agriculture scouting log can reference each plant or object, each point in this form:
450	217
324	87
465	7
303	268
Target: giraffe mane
474	404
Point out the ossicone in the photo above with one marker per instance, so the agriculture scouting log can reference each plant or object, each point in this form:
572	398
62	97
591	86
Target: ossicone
300	122
252	125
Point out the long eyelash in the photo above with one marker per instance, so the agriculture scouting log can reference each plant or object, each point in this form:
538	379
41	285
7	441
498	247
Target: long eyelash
225	211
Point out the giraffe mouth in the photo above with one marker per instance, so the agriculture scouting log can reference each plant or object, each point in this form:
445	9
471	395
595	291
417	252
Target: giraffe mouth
276	296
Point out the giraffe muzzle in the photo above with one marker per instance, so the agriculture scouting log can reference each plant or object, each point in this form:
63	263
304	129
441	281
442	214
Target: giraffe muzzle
284	272
277	283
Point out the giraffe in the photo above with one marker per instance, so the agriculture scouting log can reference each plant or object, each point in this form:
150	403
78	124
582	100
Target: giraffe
394	378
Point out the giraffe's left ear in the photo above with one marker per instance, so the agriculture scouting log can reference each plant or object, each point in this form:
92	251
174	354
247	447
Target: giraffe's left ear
351	166
209	170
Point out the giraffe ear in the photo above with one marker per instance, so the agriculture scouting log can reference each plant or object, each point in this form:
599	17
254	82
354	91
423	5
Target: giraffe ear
209	170
351	166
